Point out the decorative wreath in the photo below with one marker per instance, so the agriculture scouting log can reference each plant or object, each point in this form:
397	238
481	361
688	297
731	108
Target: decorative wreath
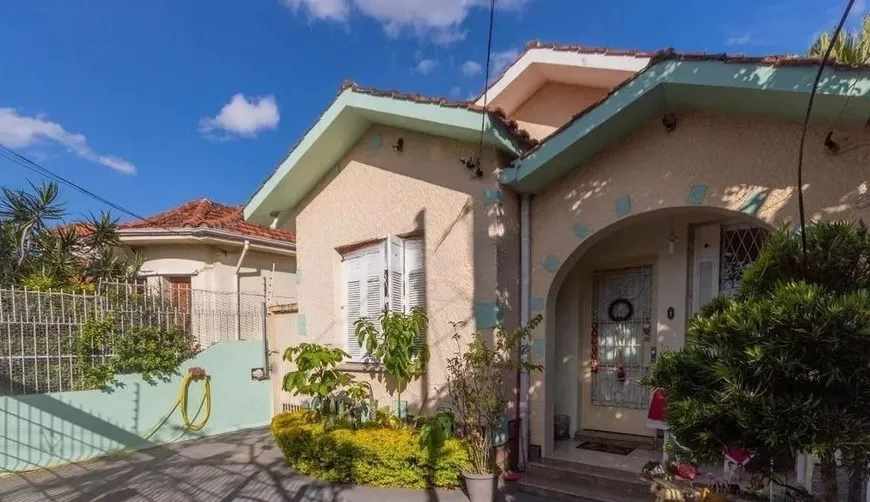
627	308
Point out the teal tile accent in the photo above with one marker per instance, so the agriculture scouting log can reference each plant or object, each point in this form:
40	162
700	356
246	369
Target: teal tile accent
538	347
375	142
487	315
623	206
400	409
492	196
536	304
697	194
301	324
581	231
62	427
500	435
508	175
298	276
754	202
551	263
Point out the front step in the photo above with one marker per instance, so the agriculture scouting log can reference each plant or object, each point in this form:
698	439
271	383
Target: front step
565	480
631	441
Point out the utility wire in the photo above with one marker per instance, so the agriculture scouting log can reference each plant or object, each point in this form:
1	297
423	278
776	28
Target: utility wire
484	114
22	161
800	165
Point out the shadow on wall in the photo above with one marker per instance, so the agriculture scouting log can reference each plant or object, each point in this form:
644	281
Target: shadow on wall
42	430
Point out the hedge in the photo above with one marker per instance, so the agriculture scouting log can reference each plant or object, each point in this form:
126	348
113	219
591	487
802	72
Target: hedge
373	455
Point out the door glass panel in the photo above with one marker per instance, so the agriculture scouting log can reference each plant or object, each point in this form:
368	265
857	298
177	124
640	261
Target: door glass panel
622	309
740	246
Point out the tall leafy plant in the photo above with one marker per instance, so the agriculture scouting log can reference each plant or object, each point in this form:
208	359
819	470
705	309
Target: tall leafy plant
476	386
785	366
397	343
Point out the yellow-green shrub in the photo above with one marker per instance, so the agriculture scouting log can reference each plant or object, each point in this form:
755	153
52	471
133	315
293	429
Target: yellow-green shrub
373	455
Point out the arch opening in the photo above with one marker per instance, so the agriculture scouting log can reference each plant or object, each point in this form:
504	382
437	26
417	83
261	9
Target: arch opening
638	281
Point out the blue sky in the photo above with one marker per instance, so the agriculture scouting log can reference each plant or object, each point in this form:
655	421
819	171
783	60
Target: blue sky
151	104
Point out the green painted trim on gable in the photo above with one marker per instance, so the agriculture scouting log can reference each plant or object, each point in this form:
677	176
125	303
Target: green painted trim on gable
715	84
343	124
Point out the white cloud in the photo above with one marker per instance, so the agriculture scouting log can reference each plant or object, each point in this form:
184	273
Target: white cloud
441	20
20	131
426	65
471	68
455	91
743	40
500	60
242	117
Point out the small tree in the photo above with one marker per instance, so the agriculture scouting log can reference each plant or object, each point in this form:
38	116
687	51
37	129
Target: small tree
785	366
316	374
398	344
475	384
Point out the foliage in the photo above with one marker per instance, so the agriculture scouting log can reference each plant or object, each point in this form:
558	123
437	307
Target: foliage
335	392
397	344
850	47
34	250
475	384
371	455
785	366
105	350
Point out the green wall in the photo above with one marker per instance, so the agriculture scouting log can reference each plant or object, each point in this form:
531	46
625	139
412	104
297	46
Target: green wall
43	430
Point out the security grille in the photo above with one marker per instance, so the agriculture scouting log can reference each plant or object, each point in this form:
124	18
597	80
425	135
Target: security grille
740	246
620	342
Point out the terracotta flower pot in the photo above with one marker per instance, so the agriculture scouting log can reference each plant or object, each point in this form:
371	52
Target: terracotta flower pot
481	487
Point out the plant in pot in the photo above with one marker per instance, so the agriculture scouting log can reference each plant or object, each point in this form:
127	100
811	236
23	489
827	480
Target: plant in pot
476	386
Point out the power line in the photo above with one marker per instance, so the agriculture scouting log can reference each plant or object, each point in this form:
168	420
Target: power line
22	161
800	165
486	80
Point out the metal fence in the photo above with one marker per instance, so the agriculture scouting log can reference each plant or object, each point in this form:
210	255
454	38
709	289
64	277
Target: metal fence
39	330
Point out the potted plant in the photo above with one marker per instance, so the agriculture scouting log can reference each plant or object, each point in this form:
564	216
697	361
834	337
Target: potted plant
476	386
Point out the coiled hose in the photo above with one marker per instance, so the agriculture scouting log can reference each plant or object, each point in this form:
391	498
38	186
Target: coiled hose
182	401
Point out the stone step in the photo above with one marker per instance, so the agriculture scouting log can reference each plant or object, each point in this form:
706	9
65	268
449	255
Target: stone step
587	478
642	442
565	491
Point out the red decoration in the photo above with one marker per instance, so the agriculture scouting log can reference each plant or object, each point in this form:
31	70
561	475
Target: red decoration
738	456
594	336
686	471
655	417
620	374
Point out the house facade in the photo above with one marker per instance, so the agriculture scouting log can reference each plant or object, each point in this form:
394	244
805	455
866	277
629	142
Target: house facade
212	262
612	192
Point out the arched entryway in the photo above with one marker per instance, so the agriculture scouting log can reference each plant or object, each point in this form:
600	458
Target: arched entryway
637	280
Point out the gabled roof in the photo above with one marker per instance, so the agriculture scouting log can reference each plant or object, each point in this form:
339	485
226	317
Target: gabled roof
207	214
350	114
771	85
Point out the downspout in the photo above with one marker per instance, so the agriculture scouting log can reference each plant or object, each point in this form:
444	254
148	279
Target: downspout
525	315
237	287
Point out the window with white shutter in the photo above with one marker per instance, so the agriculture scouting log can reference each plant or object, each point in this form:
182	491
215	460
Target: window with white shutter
389	274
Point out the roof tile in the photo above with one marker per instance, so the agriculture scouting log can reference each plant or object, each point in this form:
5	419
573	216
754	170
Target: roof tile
204	213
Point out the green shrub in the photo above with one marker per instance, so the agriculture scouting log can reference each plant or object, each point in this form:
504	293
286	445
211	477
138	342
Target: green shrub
371	455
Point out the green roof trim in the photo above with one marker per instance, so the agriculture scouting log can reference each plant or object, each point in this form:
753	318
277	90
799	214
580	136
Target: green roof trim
719	85
345	121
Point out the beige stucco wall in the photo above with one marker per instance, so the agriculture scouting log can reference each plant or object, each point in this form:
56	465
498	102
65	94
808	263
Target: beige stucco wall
735	157
553	105
375	191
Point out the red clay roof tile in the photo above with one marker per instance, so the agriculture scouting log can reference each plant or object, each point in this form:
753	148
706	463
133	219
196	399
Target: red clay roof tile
204	213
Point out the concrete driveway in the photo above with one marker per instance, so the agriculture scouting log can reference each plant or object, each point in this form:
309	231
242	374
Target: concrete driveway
243	466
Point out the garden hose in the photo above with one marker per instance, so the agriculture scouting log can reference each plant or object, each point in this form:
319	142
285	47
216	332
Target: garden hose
182	401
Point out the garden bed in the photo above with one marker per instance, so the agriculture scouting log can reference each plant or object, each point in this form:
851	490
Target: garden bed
373	455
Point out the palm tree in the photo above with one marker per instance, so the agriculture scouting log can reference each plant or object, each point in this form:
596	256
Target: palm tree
850	48
25	215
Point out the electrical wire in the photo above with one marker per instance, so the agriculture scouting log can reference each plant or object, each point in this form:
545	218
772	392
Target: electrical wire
22	161
484	114
800	165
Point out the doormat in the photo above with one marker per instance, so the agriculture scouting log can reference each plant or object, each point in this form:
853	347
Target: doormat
605	448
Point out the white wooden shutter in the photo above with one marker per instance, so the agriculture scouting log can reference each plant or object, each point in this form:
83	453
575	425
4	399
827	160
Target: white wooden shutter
396	268
415	274
353	279
705	280
364	271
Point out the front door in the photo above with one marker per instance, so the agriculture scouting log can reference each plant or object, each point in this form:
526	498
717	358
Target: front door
622	312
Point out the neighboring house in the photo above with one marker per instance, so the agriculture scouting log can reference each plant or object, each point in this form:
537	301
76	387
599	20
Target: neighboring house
643	186
202	251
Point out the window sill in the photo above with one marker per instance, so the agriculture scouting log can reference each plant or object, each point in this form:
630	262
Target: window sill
361	367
